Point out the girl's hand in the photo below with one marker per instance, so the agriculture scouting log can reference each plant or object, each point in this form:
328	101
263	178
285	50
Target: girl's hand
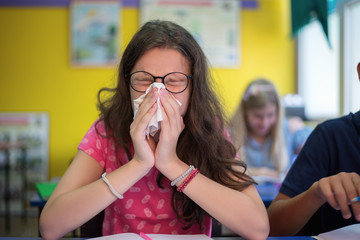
144	146
171	128
338	190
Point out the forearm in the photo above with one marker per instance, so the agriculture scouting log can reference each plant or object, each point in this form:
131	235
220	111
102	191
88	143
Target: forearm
236	210
71	209
289	216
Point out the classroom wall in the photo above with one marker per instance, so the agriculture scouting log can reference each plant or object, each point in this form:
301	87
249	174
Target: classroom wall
35	74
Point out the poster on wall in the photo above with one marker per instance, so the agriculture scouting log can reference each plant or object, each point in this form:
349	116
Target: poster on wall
213	23
94	36
24	155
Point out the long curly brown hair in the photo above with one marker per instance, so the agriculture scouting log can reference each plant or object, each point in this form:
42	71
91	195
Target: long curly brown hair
203	143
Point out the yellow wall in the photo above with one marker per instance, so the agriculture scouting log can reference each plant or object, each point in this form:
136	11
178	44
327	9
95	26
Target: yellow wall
35	74
267	50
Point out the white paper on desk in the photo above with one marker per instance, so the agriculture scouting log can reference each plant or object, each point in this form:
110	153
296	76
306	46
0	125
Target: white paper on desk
135	236
351	232
155	122
178	237
120	236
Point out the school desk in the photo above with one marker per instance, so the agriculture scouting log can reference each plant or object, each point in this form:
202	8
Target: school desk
215	238
44	190
267	191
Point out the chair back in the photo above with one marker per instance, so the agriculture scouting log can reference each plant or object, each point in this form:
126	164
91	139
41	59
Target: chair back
93	228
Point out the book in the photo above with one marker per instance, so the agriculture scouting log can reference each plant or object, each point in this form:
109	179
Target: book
351	232
45	189
135	236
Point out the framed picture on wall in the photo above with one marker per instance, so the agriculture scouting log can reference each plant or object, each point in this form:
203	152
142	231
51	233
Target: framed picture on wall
94	33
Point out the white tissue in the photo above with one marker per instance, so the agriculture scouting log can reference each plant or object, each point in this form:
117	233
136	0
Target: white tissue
155	122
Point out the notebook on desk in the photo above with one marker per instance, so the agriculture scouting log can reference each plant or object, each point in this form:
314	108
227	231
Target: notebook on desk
351	232
45	189
135	236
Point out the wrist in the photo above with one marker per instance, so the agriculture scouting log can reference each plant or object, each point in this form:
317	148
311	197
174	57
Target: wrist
142	166
170	163
316	195
172	169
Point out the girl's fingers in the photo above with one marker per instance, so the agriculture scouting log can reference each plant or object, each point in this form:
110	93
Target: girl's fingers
147	103
141	122
170	108
148	115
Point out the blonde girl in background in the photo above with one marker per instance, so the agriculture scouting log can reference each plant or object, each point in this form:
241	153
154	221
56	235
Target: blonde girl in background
261	134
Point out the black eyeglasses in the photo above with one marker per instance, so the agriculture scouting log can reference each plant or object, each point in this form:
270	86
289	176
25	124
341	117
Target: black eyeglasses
175	82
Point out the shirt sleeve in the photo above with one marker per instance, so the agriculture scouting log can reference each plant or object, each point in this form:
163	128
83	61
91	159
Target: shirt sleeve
93	142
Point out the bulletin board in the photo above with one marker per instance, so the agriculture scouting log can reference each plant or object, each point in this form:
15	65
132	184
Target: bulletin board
24	153
213	23
31	128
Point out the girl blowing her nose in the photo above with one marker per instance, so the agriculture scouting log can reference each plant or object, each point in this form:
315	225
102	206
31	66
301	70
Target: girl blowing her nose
172	182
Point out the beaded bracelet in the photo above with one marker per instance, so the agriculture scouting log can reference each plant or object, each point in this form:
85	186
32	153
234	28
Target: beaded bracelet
187	180
173	183
118	195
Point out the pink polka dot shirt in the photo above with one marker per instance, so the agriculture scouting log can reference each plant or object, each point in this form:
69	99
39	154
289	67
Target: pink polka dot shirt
145	207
